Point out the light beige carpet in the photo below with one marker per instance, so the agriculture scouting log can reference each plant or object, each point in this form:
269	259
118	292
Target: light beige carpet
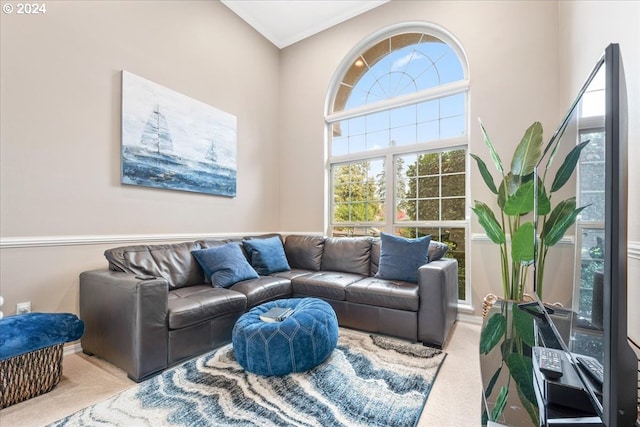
453	401
85	381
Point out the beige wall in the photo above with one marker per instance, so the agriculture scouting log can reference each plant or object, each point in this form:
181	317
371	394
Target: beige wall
60	121
587	28
512	52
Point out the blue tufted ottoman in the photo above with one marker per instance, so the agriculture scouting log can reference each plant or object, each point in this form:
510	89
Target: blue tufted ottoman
300	342
31	347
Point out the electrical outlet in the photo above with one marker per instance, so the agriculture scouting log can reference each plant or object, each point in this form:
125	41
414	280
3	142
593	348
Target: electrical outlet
23	307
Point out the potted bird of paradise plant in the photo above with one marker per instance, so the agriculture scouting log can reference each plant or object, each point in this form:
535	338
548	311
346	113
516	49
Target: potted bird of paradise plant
522	192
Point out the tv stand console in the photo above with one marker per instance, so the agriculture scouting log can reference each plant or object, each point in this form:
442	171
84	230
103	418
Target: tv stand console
515	390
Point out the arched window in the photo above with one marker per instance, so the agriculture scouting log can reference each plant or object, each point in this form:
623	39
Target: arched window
397	114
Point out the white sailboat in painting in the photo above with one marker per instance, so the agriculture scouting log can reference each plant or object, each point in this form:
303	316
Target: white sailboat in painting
155	135
211	154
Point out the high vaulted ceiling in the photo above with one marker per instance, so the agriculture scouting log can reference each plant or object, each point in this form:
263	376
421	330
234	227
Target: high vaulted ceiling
284	22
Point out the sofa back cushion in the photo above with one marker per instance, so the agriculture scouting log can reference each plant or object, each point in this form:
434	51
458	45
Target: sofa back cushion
204	244
173	262
375	256
347	254
304	252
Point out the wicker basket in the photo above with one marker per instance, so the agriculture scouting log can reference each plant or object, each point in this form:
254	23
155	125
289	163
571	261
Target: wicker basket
491	299
28	375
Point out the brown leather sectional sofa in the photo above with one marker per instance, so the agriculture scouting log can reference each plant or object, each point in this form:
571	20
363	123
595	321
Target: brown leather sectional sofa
145	324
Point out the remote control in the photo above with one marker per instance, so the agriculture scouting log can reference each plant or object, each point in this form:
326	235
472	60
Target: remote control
550	363
592	367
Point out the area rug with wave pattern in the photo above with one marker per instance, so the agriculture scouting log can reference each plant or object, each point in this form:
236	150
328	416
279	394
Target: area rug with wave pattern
368	380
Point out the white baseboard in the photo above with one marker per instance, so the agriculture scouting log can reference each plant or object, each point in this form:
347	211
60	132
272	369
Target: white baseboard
469	318
72	349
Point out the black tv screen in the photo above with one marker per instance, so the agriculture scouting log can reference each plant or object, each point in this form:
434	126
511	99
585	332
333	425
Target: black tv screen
592	325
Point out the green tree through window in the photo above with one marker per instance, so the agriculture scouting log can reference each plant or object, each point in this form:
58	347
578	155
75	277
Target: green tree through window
357	195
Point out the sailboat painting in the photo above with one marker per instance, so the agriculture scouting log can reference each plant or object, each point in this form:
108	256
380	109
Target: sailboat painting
175	142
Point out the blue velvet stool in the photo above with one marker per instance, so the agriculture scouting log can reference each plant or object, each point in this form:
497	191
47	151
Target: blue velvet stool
31	347
300	342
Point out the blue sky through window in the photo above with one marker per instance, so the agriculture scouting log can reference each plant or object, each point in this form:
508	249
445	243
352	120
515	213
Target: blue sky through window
407	70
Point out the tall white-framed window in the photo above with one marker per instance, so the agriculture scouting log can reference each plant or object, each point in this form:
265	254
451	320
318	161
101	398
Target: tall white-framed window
397	126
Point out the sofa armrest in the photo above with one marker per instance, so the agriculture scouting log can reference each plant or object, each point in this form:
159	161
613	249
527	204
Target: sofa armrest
126	320
438	283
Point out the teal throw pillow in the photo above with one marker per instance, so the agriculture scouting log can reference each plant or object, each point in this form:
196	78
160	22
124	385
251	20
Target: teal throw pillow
400	257
267	255
224	265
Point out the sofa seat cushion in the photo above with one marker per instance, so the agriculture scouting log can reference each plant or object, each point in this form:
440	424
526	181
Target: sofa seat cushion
385	293
292	274
195	304
264	288
324	284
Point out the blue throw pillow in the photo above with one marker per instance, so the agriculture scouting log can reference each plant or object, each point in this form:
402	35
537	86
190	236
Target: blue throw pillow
267	255
400	257
225	265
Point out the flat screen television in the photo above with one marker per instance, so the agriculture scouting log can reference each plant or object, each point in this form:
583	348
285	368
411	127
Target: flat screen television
594	321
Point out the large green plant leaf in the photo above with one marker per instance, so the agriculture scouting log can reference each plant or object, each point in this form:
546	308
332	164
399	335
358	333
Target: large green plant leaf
492	151
486	176
522	244
528	152
492	333
488	221
508	187
544	204
555	143
507	346
520	367
561	218
492	382
567	167
530	406
524	325
501	402
521	202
